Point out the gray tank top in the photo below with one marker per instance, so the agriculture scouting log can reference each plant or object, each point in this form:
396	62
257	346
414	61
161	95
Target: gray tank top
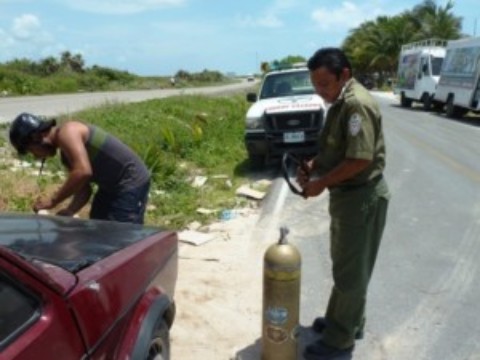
115	166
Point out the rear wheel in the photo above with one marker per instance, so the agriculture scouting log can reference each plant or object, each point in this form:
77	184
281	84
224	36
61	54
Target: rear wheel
256	162
427	102
404	101
452	111
438	106
159	348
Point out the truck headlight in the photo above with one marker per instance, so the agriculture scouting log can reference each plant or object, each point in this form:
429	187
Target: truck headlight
254	123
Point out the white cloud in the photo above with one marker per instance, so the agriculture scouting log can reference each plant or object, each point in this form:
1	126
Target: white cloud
25	38
270	21
271	17
121	6
347	16
265	21
279	5
25	27
6	40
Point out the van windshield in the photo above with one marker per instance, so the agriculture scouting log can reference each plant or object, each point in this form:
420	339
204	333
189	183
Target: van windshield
436	65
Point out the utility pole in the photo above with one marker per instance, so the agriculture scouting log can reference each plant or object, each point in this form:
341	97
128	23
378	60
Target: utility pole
474	27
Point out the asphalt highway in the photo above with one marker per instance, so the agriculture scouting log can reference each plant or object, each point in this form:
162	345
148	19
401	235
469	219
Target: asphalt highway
54	105
423	297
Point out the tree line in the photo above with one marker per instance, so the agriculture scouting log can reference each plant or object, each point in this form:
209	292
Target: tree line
68	73
373	47
64	74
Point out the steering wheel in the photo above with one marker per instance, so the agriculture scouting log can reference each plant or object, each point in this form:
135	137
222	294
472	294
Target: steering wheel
287	159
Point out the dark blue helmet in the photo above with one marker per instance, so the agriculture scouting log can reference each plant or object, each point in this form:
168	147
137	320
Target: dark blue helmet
23	127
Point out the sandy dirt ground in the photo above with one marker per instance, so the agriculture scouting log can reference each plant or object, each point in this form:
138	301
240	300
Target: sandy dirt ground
219	293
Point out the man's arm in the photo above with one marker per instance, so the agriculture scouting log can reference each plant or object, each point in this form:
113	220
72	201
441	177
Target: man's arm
80	198
345	170
70	140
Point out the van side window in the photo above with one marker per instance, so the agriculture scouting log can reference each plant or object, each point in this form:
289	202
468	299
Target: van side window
436	65
425	69
17	311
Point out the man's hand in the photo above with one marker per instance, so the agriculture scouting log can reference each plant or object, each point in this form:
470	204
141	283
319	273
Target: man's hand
43	204
65	212
313	188
303	172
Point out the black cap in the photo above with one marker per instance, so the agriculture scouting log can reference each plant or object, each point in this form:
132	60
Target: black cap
24	126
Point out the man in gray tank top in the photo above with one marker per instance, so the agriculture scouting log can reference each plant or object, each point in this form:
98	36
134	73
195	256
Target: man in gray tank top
92	156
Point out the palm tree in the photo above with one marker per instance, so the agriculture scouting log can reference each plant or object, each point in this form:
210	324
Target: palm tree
433	21
49	65
77	63
373	47
65	59
72	62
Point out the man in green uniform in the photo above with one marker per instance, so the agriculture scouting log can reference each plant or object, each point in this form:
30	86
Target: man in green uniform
350	163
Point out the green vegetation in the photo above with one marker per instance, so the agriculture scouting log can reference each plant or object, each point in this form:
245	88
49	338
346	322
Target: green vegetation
178	138
68	74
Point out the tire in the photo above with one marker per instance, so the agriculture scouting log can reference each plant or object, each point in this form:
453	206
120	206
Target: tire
159	347
404	101
452	111
438	106
449	107
427	102
256	162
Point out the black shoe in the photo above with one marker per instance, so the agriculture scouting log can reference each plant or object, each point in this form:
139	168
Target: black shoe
320	323
321	351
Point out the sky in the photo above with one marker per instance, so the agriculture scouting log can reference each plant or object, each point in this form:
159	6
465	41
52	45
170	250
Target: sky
161	37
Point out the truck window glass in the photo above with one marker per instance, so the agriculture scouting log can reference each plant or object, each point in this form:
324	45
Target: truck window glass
18	309
267	89
436	65
276	85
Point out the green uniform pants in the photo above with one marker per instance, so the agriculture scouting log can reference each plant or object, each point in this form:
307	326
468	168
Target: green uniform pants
357	221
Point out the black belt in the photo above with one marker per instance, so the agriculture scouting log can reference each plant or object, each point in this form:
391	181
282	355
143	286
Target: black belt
348	187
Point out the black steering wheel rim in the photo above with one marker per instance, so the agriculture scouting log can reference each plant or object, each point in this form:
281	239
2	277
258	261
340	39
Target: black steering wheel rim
287	159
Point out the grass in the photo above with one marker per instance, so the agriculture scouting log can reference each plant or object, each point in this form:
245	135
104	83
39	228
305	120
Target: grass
178	138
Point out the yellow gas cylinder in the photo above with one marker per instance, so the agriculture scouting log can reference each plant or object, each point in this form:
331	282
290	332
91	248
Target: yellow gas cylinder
281	300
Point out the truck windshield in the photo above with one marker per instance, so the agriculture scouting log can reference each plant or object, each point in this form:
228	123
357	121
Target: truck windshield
436	65
287	84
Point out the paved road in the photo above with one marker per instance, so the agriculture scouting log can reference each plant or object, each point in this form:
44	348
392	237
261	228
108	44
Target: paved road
423	299
53	105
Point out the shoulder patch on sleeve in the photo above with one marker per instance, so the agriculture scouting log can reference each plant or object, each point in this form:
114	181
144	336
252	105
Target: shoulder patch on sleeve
354	124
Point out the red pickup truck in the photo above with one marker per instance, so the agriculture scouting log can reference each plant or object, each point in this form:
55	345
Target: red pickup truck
85	289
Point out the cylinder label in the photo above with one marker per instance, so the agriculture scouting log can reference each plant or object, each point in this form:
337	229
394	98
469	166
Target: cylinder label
276	334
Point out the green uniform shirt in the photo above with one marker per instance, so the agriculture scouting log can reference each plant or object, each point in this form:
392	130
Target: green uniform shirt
353	130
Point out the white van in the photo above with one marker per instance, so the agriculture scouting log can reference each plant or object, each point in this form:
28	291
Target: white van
459	85
418	73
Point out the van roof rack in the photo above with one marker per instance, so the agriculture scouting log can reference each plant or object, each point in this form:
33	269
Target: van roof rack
425	43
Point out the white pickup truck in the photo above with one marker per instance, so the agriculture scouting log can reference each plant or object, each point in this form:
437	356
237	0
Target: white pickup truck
286	116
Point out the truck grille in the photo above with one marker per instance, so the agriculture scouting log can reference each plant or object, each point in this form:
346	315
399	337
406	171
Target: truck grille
294	121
